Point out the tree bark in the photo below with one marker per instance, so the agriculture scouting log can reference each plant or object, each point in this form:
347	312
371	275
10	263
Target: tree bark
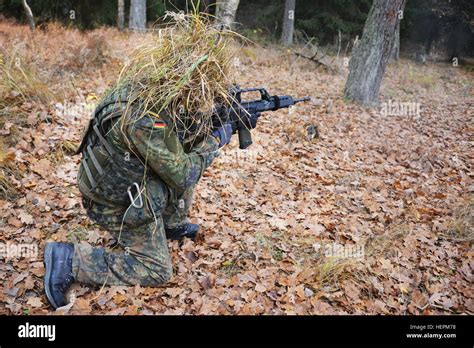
226	11
29	15
288	23
121	15
395	53
370	57
137	20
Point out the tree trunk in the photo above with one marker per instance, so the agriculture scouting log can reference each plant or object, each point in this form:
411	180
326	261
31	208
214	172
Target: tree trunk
29	15
137	20
370	57
121	15
226	11
288	23
395	53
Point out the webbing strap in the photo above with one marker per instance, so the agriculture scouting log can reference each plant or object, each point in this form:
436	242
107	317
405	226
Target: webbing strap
97	165
104	142
113	102
110	117
89	174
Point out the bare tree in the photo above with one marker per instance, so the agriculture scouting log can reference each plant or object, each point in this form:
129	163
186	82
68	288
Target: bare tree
226	11
137	20
121	15
371	55
288	23
29	15
395	53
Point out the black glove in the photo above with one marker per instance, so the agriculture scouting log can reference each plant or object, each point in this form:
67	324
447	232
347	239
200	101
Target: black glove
224	134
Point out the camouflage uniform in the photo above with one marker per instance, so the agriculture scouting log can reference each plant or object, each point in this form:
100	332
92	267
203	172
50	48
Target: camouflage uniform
120	155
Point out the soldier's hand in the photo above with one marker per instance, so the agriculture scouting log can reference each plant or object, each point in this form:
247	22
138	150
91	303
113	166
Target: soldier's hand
223	134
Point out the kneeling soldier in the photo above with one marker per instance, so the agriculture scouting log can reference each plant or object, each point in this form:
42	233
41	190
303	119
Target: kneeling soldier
137	181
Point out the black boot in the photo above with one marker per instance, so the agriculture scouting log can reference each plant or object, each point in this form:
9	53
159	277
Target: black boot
187	230
58	276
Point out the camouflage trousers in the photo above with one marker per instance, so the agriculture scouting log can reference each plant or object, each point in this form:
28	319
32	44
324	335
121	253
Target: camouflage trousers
141	253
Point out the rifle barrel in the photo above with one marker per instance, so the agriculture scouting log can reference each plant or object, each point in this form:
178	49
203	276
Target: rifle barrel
302	99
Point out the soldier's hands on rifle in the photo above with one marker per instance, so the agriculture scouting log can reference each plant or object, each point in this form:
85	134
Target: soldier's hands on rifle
223	134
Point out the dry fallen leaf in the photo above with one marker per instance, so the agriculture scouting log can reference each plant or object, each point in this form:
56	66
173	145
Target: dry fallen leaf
20	277
93	237
173	292
26	218
42	167
15	222
35	302
278	223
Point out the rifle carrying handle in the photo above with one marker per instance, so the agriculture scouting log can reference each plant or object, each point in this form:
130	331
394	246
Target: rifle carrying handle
245	138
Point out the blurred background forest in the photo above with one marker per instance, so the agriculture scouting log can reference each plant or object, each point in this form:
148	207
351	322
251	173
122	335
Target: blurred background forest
441	29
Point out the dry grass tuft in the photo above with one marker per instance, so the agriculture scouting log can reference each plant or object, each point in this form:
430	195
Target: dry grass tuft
19	81
184	69
461	227
331	272
383	244
46	66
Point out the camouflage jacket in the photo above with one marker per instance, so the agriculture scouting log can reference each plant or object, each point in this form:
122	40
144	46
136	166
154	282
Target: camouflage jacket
119	152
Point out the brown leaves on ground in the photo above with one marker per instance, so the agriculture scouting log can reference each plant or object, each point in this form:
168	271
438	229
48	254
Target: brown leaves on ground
273	217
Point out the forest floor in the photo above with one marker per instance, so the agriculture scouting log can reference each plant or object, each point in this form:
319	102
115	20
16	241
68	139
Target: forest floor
374	216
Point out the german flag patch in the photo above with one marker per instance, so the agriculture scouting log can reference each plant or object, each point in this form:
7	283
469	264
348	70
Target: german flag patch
159	125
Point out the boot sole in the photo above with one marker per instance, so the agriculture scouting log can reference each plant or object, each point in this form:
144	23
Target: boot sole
48	260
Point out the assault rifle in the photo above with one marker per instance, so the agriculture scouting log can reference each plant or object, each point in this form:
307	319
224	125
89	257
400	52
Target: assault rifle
243	115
